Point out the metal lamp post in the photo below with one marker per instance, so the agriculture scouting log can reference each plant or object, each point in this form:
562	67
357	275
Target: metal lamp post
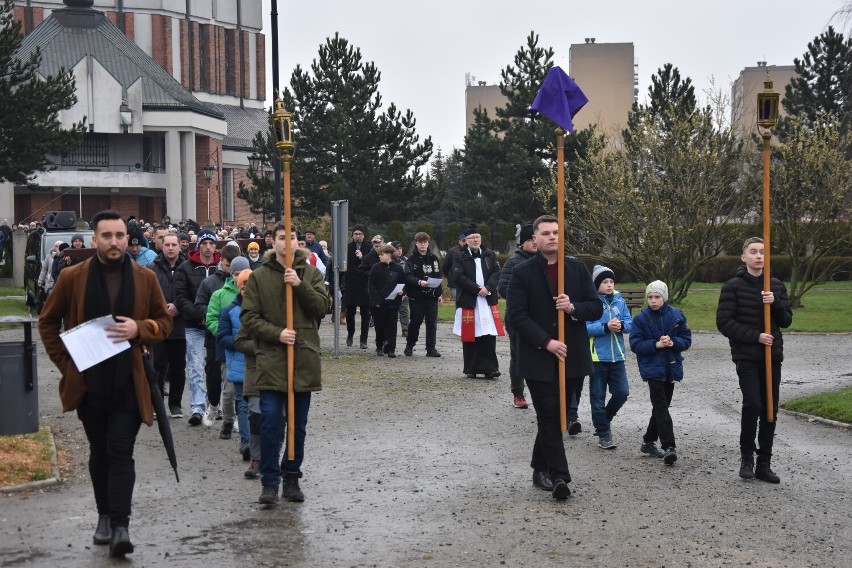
767	118
208	175
276	196
282	129
255	165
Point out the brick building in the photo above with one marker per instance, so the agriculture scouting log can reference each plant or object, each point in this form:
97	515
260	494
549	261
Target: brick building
167	88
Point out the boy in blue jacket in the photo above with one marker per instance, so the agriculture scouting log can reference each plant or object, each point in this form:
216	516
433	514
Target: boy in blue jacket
606	340
658	338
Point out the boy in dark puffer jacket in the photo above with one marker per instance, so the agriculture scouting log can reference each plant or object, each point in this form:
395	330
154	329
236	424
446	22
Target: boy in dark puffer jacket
739	316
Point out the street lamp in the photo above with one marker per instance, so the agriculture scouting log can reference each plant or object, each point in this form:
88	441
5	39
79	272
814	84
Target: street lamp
767	118
208	175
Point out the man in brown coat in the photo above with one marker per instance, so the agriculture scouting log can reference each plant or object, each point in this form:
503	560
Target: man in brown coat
112	398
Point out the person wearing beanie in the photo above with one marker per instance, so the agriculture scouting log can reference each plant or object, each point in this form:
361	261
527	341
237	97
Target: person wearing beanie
606	340
526	250
447	267
739	316
253	254
355	295
77	241
183	238
313	245
658	338
476	273
137	247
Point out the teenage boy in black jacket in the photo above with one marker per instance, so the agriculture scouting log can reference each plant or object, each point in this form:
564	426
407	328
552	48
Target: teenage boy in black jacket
383	278
739	317
422	300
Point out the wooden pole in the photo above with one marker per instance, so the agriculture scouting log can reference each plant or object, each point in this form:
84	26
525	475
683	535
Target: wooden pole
560	266
288	298
767	286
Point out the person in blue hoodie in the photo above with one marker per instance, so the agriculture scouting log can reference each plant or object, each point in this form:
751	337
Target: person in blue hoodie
137	247
226	334
658	337
606	340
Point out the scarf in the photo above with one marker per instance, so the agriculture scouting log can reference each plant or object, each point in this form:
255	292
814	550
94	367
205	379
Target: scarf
110	382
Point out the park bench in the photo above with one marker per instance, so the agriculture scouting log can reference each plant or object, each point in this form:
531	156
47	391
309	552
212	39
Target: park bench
633	297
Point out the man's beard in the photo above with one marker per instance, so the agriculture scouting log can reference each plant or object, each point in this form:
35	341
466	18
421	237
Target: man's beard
111	262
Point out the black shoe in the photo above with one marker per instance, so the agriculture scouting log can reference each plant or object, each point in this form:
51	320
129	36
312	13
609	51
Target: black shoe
245	451
120	544
405	333
226	431
363	345
471	375
747	467
391	355
574	428
560	490
670	456
291	490
541	479
492	375
195	419
408	352
651	449
269	495
379	351
103	534
349	341
763	472
432	353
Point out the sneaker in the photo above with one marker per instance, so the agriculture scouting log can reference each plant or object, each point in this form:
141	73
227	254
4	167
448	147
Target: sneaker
561	491
574	428
209	416
605	441
432	353
269	495
520	402
651	449
175	412
670	456
227	429
195	419
291	490
253	471
408	352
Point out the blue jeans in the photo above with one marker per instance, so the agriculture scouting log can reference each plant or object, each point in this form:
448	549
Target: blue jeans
272	404
242	412
195	353
614	376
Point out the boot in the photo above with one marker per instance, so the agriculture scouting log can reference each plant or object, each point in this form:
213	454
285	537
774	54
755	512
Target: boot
763	472
291	491
747	466
103	533
120	543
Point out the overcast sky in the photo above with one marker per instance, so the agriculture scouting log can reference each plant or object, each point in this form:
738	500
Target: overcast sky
425	49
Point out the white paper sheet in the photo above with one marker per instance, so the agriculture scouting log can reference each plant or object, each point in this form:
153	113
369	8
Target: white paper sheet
434	282
89	345
395	292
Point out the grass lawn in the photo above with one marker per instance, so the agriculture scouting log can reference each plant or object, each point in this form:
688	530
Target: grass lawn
25	458
13	307
834	405
7	291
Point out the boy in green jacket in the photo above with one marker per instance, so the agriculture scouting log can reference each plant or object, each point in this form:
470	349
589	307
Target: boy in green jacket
264	318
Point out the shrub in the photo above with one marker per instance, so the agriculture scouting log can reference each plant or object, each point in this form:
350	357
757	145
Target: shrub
396	232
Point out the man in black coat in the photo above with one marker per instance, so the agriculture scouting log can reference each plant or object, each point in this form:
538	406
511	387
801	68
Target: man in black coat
532	312
355	295
476	273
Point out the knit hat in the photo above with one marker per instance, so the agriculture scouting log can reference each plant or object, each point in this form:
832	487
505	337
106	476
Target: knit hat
76	237
526	234
601	273
659	287
183	237
207	234
358	227
239	263
253	246
472	230
136	237
243	278
64	246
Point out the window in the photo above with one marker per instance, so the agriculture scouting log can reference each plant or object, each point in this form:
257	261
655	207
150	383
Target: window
228	193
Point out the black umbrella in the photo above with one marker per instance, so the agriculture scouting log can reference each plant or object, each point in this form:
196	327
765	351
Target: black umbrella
160	409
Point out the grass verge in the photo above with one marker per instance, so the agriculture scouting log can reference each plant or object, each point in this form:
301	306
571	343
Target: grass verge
13	307
834	405
25	458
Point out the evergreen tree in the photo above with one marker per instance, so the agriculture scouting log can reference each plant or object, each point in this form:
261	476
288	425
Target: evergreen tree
30	129
349	145
259	194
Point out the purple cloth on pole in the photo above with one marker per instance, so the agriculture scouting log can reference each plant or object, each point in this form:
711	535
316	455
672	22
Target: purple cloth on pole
559	98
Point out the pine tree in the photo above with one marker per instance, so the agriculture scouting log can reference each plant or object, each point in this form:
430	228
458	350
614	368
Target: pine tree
30	129
259	194
351	146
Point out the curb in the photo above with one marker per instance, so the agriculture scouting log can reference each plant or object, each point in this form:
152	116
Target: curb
818	419
55	479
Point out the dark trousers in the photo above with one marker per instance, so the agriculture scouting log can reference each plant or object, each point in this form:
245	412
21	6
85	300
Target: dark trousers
111	432
752	376
660	425
549	449
385	321
365	321
170	361
480	356
212	370
423	308
272	405
574	395
515	380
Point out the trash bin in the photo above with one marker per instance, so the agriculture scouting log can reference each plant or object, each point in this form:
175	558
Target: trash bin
18	383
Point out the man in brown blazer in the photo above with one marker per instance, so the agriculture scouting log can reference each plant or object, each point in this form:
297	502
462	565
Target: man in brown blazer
112	398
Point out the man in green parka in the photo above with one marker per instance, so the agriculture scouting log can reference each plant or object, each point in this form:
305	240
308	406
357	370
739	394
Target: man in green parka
264	319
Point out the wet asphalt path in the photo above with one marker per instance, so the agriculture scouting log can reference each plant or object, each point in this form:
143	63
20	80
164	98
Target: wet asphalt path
409	463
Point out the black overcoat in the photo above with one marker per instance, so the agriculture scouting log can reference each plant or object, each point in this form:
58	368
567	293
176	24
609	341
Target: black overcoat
355	289
464	276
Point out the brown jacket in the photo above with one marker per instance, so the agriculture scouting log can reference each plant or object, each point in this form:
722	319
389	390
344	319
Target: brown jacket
65	306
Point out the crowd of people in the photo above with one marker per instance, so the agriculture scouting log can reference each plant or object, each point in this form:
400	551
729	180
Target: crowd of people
215	321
